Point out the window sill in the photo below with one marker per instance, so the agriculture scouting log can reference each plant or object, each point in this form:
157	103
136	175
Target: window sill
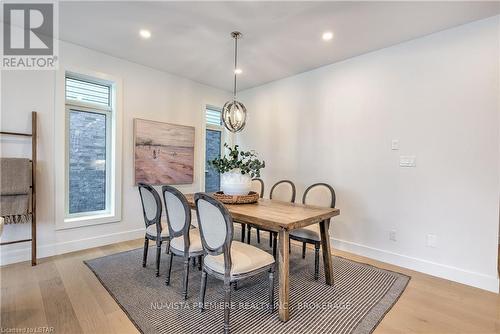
99	219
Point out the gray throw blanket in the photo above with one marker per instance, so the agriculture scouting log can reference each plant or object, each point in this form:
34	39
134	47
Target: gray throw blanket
15	191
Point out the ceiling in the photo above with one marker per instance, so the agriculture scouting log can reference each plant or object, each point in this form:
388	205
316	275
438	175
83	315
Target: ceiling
192	39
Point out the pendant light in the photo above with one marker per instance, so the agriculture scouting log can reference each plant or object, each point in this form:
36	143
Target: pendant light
234	113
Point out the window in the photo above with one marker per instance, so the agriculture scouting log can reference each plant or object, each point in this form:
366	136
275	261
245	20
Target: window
89	155
213	117
214	139
85	91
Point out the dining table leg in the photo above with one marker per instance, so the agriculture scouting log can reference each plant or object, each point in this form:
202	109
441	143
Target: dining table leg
284	275
326	250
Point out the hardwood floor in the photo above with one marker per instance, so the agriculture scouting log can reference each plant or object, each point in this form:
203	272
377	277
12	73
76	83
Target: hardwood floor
61	292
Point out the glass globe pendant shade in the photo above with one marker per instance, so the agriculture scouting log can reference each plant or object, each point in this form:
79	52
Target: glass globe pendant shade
234	113
234	116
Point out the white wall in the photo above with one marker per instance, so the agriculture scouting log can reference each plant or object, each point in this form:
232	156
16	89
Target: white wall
147	93
439	95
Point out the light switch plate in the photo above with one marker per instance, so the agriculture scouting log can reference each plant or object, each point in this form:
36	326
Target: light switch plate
395	144
408	161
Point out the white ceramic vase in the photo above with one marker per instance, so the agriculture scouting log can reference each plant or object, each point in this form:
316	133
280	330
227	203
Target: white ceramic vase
235	183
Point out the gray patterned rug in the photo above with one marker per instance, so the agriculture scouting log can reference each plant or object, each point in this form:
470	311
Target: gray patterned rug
356	303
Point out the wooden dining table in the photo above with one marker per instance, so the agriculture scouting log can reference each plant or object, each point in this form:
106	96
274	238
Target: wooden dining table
283	217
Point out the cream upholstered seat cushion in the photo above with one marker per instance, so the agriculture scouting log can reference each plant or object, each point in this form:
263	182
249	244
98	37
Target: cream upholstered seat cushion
309	232
151	230
194	242
245	258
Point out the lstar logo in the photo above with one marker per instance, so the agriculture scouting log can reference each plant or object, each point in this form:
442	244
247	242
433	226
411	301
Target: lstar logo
28	36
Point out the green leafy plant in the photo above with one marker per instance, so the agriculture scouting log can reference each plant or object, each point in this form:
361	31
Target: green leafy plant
245	161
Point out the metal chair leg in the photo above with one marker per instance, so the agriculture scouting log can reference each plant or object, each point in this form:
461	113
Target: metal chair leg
249	234
270	239
271	290
167	250
186	278
275	244
167	280
145	254
203	289
258	236
316	261
303	250
227	305
200	262
243	230
158	253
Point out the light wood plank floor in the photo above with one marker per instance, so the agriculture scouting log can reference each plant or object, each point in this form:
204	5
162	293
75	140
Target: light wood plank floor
61	292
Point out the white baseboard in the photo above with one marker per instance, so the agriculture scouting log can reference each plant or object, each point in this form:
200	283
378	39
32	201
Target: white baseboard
24	254
451	273
475	279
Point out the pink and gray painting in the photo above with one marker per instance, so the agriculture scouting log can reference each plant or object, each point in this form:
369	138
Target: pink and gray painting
164	153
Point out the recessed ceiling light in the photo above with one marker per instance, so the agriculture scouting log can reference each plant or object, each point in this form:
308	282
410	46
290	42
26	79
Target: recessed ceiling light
238	71
327	35
145	33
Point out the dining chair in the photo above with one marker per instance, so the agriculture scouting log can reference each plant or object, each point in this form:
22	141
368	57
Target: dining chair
284	191
185	240
226	259
258	187
318	194
151	210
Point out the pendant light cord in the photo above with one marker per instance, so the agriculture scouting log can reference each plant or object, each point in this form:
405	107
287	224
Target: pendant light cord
235	64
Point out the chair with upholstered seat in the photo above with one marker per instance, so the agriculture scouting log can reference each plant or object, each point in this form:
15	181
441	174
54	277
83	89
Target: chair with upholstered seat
318	194
226	259
284	191
151	209
185	240
258	187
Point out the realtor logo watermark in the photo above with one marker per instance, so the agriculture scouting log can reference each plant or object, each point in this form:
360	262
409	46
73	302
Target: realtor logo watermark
30	40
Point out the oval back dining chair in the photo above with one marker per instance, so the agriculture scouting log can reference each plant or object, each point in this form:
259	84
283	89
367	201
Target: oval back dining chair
258	187
226	259
284	191
184	240
151	209
318	194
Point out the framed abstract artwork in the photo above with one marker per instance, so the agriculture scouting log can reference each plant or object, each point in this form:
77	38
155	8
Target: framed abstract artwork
163	152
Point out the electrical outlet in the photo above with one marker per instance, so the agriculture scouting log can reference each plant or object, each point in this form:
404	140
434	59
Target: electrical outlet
392	235
432	240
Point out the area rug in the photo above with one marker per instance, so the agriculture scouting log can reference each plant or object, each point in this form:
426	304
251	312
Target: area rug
359	299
